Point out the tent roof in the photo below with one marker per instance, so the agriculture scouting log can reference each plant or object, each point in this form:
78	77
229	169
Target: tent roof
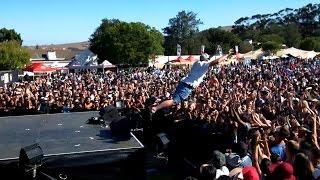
88	60
39	68
190	58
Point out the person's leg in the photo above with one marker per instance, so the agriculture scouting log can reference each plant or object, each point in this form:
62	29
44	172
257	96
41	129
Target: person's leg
164	104
182	92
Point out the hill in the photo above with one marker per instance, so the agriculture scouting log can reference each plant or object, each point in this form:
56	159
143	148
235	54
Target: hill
67	51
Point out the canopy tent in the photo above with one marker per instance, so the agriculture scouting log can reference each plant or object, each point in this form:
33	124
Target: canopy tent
107	64
190	58
269	57
88	60
39	68
297	53
180	61
95	65
253	54
311	54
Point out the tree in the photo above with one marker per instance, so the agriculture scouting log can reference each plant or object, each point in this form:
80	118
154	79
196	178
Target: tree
292	35
125	43
182	30
310	43
213	37
157	40
271	37
245	47
270	46
290	24
13	56
9	35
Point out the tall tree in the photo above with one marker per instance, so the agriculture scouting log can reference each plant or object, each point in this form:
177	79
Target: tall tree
9	35
292	35
125	43
213	37
182	30
270	46
13	56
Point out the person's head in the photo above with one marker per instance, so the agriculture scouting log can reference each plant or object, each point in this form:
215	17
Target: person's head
265	163
315	156
282	134
292	149
250	173
303	167
218	159
241	149
207	172
284	171
204	57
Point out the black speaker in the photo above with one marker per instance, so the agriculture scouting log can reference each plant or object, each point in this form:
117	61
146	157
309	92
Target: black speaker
121	127
31	155
109	113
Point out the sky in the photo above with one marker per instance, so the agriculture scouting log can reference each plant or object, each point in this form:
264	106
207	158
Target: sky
64	21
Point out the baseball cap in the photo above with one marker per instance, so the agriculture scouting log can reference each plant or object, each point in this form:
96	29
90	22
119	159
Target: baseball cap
284	171
218	159
233	160
250	173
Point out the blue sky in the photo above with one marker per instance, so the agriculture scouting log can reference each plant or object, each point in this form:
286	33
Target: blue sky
64	21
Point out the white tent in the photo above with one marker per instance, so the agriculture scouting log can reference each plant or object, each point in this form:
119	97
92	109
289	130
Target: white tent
269	57
310	54
253	54
297	53
107	64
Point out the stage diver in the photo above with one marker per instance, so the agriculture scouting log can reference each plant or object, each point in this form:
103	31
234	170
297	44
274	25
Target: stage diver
190	82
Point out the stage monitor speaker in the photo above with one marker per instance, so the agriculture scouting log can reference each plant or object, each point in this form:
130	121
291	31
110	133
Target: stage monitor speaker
120	127
109	113
31	155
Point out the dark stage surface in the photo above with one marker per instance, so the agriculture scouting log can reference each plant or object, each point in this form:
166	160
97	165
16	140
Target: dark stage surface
58	134
70	146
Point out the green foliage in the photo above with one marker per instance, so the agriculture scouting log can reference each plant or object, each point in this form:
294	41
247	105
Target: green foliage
245	47
310	43
125	43
213	37
9	35
13	56
270	46
271	37
288	26
292	35
182	30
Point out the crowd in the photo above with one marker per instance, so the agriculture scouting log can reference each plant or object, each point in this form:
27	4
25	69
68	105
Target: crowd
268	112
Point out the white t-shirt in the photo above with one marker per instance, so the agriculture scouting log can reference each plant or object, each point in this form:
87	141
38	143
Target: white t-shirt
224	171
197	73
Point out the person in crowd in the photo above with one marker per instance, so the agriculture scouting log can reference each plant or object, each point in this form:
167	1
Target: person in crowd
191	81
270	108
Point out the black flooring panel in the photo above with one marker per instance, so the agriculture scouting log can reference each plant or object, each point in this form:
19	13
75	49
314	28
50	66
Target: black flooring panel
64	133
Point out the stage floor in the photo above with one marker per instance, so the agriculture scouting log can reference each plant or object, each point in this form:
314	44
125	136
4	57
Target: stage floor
58	134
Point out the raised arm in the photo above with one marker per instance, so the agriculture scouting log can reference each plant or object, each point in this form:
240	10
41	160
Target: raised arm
217	61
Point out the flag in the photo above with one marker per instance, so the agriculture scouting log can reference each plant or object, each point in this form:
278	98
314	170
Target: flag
178	50
236	49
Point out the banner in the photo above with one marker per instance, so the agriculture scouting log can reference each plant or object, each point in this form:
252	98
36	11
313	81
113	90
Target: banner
202	49
178	50
236	49
219	51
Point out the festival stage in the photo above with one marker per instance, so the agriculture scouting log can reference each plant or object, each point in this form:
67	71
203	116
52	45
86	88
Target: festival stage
71	146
